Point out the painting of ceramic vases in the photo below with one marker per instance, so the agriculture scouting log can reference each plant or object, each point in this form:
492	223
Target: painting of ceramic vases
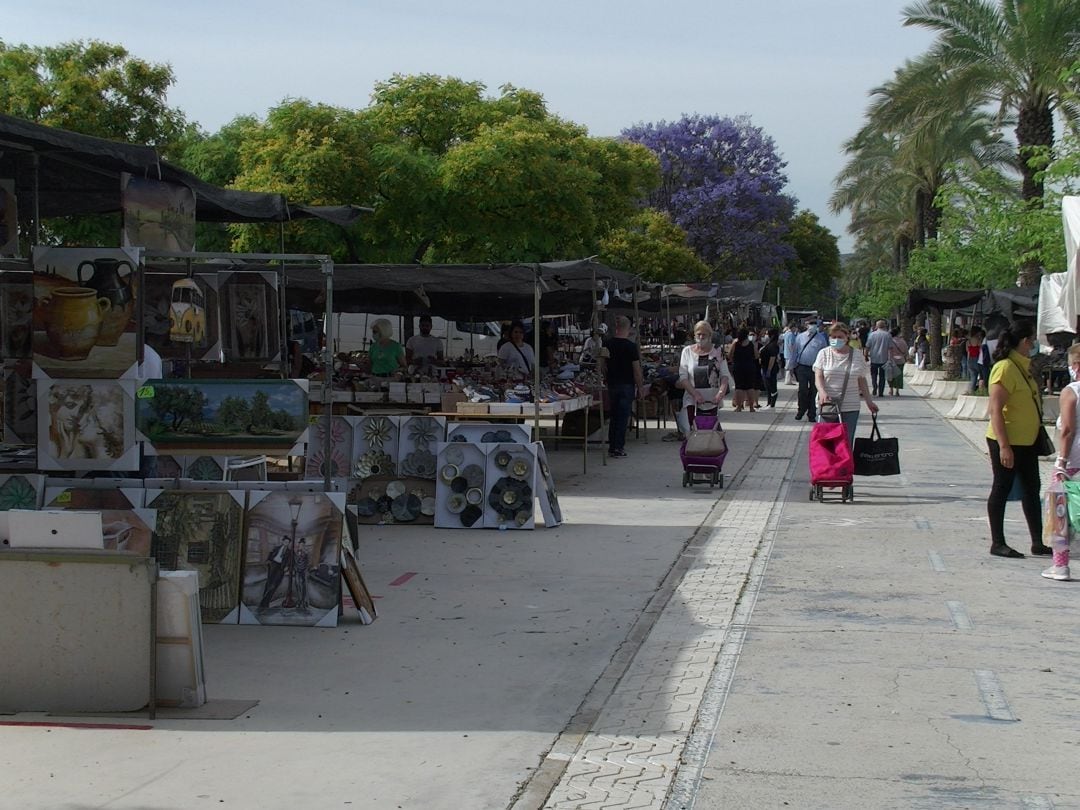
84	313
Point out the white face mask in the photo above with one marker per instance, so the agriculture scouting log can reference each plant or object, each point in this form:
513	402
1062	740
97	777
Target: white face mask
704	342
1074	374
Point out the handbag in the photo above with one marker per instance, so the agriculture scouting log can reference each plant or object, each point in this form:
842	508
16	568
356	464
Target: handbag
875	455
1044	445
706	443
830	411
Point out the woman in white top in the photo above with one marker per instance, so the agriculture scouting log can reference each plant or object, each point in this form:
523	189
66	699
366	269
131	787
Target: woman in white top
1066	466
516	354
703	372
830	369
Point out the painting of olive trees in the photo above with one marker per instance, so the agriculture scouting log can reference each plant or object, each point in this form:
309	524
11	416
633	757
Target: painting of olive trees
227	416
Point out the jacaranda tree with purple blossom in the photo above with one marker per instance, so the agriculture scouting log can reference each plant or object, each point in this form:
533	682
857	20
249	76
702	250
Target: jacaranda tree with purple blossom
722	182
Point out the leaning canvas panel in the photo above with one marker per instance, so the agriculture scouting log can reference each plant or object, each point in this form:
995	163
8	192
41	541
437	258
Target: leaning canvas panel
202	530
460	486
20	403
125	524
385	500
545	489
340	460
16	315
157	214
18	491
488	433
376	441
511	479
180	315
417	439
250	320
85	305
234	417
86	425
292	566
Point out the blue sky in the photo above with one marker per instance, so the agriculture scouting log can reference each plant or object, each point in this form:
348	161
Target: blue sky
800	69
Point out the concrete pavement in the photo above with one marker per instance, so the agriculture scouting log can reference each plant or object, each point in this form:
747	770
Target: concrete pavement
664	648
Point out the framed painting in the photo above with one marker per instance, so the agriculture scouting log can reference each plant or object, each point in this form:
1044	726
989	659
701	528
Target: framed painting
340	460
157	215
84	318
20	404
358	589
292	564
226	417
125	524
17	310
87	425
250	316
202	530
180	315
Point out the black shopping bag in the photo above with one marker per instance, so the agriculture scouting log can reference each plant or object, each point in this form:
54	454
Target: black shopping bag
877	456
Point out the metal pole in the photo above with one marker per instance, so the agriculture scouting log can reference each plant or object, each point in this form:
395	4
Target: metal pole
36	164
536	352
328	369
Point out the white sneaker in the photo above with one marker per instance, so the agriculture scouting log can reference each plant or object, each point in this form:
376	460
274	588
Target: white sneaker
1058	572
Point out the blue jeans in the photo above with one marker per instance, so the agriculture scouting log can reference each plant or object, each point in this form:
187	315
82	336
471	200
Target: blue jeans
850	420
620	400
877	376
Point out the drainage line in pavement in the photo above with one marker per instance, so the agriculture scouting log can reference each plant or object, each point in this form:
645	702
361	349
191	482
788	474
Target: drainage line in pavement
534	791
687	779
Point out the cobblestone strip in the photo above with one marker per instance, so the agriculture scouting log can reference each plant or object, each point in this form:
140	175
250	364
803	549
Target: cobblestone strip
629	756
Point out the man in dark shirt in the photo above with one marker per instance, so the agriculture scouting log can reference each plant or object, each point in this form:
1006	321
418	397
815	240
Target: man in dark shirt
622	371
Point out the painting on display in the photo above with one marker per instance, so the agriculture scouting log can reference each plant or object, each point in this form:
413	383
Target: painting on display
375	442
157	215
292	565
417	437
86	425
125	524
18	492
202	531
84	312
251	323
20	404
9	219
180	315
358	589
228	416
384	500
339	462
17	309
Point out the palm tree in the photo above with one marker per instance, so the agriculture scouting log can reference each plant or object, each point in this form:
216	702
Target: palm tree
1016	53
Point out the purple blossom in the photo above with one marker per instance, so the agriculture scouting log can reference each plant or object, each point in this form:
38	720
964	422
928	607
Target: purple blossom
722	182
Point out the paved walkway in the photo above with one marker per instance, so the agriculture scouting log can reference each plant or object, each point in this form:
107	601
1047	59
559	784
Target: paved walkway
663	649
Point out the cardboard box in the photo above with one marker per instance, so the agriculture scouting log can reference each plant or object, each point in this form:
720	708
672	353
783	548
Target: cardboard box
472	407
450	401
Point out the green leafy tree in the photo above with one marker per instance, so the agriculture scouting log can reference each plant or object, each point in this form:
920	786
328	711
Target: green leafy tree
813	274
654	247
261	415
234	412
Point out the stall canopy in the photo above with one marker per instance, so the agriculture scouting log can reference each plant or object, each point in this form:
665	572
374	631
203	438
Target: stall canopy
458	291
1069	297
65	173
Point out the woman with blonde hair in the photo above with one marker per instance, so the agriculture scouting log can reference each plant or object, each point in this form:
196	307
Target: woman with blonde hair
703	372
387	355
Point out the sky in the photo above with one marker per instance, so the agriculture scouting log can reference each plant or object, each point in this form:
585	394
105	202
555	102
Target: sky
801	69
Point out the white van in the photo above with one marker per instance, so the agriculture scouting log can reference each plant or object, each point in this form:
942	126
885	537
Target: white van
352	332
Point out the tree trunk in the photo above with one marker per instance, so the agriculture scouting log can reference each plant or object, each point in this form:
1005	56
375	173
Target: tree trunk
933	221
920	217
935	337
1034	130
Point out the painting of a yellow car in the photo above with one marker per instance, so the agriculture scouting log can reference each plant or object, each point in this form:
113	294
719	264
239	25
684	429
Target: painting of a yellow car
187	313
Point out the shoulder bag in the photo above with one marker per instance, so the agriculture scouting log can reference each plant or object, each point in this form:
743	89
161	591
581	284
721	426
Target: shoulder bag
830	411
1043	445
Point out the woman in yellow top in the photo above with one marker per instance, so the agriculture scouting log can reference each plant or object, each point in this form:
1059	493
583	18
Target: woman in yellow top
1014	425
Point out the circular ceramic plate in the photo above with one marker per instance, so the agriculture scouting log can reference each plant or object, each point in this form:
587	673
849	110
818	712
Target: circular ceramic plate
510	497
503	436
366	507
488	437
395	489
522	517
454	455
405	508
459	484
474	495
448	473
520	468
502	458
471	515
427	506
384	504
456	504
474	474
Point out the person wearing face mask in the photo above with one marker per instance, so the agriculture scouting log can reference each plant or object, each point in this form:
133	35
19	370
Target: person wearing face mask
807	346
841	374
746	370
769	357
703	372
1015	412
1066	467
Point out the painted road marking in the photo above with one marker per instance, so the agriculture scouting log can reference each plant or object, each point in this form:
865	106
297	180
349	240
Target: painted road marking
993	695
403	578
936	562
959	616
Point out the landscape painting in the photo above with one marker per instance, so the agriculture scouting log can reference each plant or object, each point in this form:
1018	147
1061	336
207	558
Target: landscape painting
292	565
86	425
202	531
157	215
85	305
229	416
